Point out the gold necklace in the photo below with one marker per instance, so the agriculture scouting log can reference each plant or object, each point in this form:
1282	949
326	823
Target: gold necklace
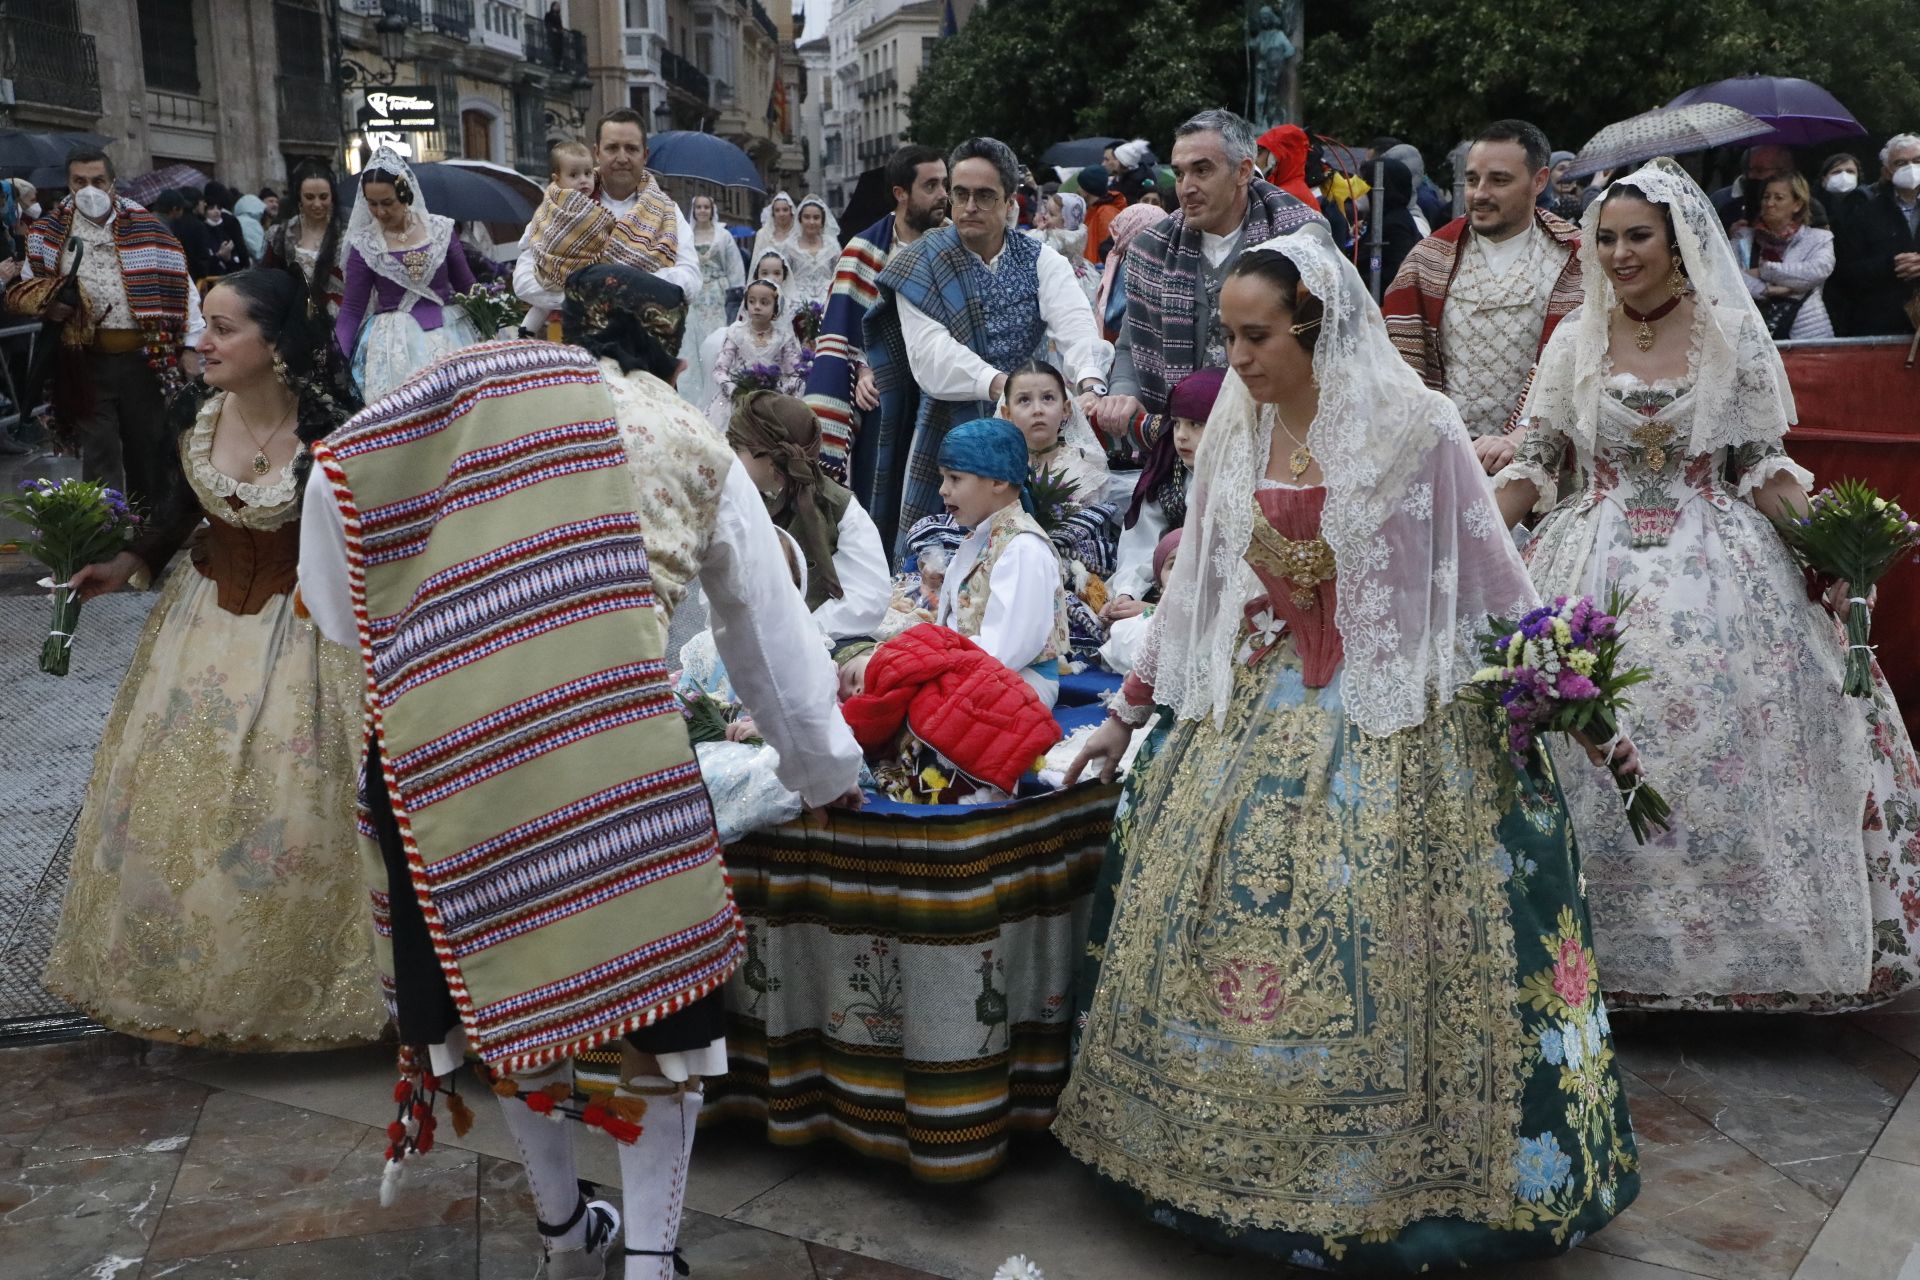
1302	457
260	463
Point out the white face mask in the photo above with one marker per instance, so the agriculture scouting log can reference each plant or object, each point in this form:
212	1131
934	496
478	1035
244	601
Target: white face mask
1842	182
93	202
33	210
1907	176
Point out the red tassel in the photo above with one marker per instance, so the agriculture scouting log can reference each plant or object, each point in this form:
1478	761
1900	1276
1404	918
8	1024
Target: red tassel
429	1081
402	1090
537	1102
621	1130
421	1111
396	1132
425	1144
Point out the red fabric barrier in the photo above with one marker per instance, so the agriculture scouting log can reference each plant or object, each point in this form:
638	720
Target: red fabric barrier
1860	417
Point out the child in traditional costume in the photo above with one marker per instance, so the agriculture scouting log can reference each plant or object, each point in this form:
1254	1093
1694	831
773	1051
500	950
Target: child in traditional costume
755	349
1004	588
569	229
1160	497
1036	401
1126	636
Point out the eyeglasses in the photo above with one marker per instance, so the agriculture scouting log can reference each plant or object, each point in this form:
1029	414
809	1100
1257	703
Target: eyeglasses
971	197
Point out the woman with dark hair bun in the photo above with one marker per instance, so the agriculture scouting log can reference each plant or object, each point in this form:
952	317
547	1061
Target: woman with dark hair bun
215	895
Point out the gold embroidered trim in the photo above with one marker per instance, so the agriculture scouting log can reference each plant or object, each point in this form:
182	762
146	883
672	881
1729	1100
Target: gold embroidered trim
1305	564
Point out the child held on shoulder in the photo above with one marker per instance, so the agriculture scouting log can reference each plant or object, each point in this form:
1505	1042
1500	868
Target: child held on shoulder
570	228
1003	587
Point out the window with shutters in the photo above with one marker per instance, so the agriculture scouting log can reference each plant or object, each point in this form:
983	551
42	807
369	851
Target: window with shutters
168	45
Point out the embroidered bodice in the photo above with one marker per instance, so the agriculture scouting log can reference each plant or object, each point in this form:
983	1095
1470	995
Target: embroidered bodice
250	547
1296	571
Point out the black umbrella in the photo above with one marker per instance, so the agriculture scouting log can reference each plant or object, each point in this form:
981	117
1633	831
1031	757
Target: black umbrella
464	195
23	151
1078	153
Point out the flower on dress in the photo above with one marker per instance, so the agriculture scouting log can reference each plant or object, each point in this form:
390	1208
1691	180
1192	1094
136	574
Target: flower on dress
1018	1268
1551	1047
1309	1259
1571	972
1541	1167
1263	633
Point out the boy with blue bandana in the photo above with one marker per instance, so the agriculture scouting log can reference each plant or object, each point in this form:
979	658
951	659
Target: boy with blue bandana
1003	587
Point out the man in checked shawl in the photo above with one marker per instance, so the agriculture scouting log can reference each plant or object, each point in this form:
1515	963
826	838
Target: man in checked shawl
1176	267
971	302
502	539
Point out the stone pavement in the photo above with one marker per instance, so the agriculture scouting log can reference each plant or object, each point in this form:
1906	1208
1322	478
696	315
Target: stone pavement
1773	1148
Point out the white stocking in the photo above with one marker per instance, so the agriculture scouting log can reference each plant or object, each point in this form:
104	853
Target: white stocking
653	1173
546	1148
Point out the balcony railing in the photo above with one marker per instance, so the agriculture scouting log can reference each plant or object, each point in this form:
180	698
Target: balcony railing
309	110
450	17
766	22
574	55
51	64
408	9
684	76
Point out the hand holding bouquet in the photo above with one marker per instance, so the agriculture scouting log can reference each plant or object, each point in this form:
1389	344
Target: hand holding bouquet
1557	670
492	307
806	323
71	525
756	377
1851	534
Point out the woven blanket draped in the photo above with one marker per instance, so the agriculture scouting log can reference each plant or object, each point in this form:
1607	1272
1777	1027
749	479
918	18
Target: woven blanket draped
940	276
856	287
153	266
1163	287
1417	295
647	236
569	231
559	837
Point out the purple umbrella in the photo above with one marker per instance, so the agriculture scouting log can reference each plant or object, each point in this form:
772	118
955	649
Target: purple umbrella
1800	111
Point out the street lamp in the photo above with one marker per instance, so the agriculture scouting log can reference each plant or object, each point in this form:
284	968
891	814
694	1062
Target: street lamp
392	31
663	116
582	97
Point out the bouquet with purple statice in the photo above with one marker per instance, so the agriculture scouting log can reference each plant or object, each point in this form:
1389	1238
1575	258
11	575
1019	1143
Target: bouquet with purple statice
492	307
806	323
1850	534
71	524
1557	670
759	376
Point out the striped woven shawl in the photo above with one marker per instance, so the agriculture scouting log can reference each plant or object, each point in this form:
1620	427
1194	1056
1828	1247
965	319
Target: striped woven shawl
569	231
647	236
856	287
558	833
153	267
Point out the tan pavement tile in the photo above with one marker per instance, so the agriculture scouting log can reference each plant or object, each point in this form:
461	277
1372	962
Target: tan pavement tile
1900	1140
1874	1233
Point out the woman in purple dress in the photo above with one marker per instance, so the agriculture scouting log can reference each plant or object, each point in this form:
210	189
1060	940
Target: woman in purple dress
402	273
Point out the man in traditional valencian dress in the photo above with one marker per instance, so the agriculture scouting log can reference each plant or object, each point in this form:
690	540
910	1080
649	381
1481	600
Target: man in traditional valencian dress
502	539
1473	305
123	343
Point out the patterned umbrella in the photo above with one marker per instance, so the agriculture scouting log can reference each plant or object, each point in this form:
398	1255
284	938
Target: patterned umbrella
1799	112
146	188
1668	131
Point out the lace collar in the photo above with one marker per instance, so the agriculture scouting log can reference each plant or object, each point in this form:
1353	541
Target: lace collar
257	500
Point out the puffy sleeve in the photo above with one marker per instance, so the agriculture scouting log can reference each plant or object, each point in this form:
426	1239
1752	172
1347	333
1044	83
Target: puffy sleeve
1537	457
1759	461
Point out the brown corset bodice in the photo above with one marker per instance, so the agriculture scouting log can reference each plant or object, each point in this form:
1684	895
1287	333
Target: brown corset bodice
249	567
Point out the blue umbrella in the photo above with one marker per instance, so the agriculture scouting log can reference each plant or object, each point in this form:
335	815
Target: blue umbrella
1800	111
683	154
465	195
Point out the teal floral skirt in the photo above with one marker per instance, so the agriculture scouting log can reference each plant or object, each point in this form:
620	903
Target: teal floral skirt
1341	1005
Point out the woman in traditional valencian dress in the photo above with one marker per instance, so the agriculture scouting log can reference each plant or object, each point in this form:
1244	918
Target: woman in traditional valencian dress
777	225
720	271
215	895
1795	809
1346	1012
403	269
813	255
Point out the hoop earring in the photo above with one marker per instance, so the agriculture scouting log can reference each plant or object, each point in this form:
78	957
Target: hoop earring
1676	278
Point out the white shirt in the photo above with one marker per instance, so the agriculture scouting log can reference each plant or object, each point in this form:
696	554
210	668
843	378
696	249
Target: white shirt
865	585
792	690
1216	248
1133	558
1502	255
947	370
684	272
1020	598
111	295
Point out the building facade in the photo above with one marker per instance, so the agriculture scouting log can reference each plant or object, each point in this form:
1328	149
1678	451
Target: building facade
245	90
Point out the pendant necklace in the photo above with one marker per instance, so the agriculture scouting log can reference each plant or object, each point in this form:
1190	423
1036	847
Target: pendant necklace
1302	457
260	462
1643	335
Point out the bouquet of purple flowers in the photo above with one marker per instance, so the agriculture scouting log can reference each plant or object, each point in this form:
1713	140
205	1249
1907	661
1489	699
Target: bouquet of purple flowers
1850	534
806	323
72	524
759	376
1557	671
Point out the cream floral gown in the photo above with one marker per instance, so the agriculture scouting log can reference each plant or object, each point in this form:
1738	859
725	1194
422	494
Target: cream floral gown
215	895
1791	876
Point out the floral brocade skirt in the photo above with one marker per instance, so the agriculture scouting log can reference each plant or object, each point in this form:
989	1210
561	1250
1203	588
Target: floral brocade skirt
216	895
393	347
1346	1012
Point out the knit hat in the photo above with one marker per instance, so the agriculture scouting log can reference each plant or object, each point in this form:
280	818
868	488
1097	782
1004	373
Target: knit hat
1554	160
1163	549
1133	154
1093	180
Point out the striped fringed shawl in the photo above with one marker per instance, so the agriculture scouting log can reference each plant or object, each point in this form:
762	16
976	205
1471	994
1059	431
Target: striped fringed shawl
856	287
647	236
1417	295
153	267
569	231
1164	294
556	827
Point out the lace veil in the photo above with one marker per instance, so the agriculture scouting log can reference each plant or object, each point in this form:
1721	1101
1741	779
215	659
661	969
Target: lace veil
829	232
364	233
1740	392
1421	554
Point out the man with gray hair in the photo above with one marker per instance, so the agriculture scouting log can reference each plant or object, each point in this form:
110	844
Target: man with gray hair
1876	274
971	303
1174	269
